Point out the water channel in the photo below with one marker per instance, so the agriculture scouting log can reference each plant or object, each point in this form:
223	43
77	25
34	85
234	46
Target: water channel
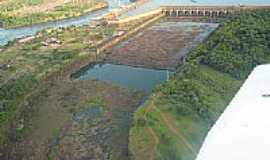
7	35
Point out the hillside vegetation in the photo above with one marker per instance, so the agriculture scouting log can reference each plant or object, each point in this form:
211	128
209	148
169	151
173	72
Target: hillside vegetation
174	121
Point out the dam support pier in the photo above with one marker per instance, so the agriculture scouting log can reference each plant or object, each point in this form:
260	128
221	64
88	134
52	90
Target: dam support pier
207	11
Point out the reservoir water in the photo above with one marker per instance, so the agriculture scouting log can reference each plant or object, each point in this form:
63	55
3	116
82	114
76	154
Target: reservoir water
131	77
154	4
11	34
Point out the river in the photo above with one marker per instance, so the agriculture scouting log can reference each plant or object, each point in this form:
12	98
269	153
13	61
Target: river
11	34
7	35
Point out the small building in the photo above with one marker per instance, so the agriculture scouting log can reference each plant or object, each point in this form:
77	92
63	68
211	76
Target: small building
242	132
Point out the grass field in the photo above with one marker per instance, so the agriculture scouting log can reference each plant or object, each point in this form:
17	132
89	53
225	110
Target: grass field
36	90
32	61
15	13
170	125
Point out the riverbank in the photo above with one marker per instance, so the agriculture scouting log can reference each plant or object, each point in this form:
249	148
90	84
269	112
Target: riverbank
173	122
19	16
119	11
11	34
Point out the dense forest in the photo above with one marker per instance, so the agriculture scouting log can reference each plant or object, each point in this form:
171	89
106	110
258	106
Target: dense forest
174	121
238	45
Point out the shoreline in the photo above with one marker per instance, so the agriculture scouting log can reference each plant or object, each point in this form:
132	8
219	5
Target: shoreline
114	12
98	7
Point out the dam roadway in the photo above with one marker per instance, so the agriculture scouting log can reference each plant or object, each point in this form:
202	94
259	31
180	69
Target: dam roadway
187	11
209	11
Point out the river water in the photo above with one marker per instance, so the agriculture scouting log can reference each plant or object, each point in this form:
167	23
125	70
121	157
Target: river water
11	34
